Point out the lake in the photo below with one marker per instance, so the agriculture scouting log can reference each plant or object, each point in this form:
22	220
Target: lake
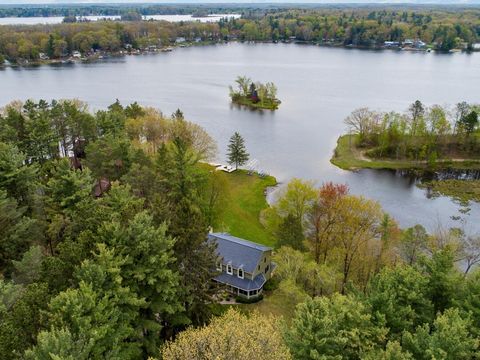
318	87
59	19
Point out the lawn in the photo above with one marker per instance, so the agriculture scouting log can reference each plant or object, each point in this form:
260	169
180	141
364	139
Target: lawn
274	303
241	217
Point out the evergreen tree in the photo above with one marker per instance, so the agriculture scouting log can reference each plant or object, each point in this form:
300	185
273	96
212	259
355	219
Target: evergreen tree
444	279
16	178
21	317
469	122
98	316
400	296
16	234
449	338
148	271
339	327
237	153
182	179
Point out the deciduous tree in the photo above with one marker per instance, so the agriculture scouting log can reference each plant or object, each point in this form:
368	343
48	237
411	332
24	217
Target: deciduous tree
231	336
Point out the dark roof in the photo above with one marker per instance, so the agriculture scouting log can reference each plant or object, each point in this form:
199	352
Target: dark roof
244	284
238	252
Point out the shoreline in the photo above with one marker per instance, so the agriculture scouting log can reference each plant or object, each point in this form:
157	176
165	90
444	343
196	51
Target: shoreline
460	190
347	156
105	55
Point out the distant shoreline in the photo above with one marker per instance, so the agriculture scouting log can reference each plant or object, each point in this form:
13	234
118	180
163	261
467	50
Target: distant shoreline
105	55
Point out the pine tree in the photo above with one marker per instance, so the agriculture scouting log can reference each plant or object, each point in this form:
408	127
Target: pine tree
148	272
237	153
99	316
182	181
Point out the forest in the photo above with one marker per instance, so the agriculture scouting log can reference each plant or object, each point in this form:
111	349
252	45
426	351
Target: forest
104	253
419	134
442	29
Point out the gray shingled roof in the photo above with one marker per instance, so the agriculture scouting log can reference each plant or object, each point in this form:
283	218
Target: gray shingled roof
238	252
244	284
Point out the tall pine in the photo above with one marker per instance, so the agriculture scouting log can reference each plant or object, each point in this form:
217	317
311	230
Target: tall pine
237	153
182	180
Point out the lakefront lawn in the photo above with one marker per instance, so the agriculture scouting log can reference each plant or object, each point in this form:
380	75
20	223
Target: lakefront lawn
241	217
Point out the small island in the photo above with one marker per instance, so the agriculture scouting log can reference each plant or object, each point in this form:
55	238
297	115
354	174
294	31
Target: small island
254	95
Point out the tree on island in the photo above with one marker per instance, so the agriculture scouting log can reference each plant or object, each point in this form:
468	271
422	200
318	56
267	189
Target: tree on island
237	153
254	94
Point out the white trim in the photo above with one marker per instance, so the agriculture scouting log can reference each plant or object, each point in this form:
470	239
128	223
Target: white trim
243	273
229	269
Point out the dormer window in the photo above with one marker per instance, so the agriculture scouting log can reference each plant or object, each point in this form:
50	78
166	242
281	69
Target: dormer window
229	269
240	273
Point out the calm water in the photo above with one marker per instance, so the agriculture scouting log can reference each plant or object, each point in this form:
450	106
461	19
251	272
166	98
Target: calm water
59	19
318	87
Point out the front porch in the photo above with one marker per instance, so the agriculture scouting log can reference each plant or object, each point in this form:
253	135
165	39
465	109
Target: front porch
244	293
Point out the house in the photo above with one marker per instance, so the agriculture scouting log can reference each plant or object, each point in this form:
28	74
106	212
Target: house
180	40
419	44
391	44
244	266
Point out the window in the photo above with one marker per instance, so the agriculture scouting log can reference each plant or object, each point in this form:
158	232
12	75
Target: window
267	268
229	269
240	273
219	266
264	260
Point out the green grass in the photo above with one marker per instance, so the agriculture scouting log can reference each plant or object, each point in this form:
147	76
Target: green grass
267	105
274	303
241	217
348	156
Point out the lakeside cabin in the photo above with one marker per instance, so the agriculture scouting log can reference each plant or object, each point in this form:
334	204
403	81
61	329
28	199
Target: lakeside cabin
244	266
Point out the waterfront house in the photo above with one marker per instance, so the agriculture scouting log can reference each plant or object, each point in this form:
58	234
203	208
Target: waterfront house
244	266
391	44
419	44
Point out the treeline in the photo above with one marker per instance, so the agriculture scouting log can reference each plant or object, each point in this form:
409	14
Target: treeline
364	289
362	27
421	133
108	10
57	41
103	248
